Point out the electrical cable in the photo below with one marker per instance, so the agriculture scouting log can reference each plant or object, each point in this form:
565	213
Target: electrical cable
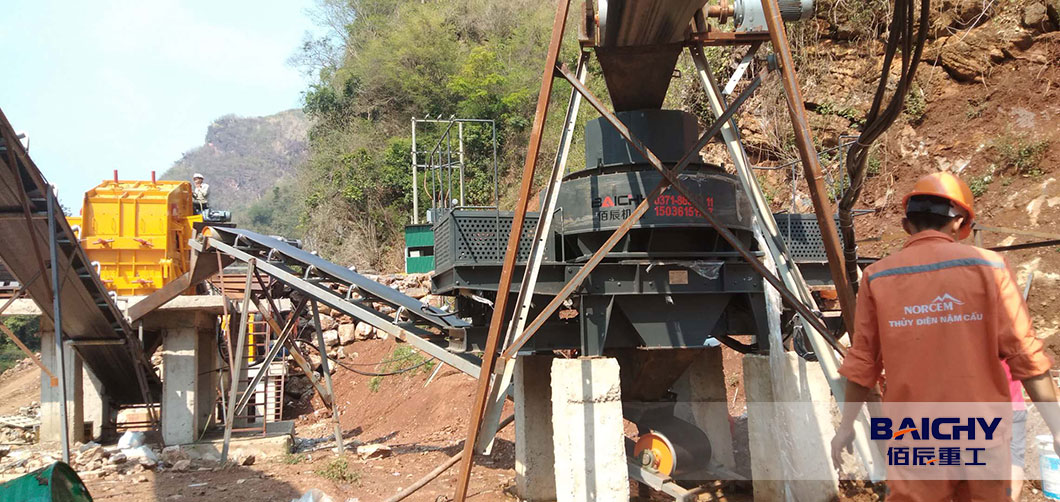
876	123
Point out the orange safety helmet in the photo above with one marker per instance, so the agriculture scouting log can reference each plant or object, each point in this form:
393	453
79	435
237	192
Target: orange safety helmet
950	187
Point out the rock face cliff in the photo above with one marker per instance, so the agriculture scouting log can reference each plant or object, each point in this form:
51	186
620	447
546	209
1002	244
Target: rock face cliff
985	106
250	165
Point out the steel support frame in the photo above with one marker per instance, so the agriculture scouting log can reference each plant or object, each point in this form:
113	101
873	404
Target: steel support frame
327	377
409	333
670	178
508	269
54	381
552	69
500	387
810	163
270	356
236	368
60	363
787	269
325	394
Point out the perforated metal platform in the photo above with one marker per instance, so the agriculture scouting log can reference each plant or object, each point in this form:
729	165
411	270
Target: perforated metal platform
476	237
803	237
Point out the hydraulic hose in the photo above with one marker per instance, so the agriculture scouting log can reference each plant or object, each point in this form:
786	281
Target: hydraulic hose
876	122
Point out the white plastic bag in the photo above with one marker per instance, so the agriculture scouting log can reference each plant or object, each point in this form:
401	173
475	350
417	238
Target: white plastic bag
313	495
131	439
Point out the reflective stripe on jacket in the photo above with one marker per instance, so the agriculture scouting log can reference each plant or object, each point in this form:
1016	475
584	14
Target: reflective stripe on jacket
939	317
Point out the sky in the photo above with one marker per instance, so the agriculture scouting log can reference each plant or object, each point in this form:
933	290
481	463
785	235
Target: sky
132	84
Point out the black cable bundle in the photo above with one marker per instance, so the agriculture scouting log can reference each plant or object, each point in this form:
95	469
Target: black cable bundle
901	35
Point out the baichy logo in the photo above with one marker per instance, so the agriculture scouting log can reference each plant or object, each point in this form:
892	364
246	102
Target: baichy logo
942	303
617	200
937	429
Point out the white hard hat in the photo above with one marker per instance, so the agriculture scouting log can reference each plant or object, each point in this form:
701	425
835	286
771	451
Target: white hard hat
197	175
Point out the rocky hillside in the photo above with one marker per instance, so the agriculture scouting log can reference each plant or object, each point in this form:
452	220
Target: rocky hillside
985	106
249	163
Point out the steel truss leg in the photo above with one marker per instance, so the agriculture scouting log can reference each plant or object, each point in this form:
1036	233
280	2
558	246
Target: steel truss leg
502	382
508	268
810	163
327	377
777	248
270	356
296	354
237	358
58	322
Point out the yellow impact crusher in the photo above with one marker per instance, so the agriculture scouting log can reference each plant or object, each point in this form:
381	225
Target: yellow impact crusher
137	232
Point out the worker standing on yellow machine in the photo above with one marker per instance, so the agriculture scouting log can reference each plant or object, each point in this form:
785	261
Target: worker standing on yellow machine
936	320
200	194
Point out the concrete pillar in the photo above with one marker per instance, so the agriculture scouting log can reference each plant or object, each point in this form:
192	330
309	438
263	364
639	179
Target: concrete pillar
789	422
702	400
188	382
51	397
588	430
535	475
97	404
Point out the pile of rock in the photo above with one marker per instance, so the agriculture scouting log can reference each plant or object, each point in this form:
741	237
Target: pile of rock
18	367
341	330
21	427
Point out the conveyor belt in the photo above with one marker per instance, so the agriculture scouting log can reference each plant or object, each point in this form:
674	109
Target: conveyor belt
90	319
423	326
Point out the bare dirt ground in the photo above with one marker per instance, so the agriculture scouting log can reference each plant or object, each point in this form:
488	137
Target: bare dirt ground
19	387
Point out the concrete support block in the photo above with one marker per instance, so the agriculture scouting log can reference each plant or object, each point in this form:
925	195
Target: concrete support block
588	431
97	404
790	427
51	397
702	400
188	382
535	475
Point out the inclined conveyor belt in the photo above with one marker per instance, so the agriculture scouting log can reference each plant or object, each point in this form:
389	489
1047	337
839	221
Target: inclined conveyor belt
91	321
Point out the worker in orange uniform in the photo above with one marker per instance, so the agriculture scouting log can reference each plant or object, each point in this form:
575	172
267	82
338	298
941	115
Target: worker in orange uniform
944	362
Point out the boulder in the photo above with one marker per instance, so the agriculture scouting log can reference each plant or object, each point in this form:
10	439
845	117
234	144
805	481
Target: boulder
968	57
298	386
327	322
87	446
364	331
87	455
347	333
117	458
374	451
1036	17
417	292
173	454
331	337
181	465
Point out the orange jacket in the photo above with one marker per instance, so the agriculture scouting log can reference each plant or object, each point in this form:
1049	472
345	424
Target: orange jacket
940	317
